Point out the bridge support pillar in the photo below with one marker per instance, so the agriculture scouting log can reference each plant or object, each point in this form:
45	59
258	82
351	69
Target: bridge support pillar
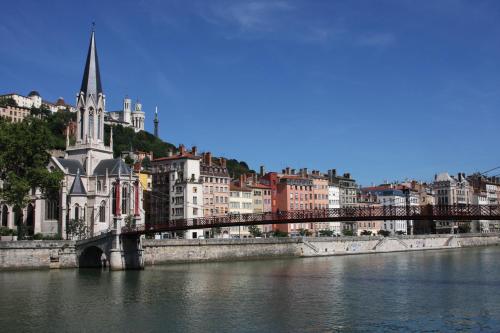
126	251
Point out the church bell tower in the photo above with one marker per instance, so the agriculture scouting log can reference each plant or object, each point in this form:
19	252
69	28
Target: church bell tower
89	147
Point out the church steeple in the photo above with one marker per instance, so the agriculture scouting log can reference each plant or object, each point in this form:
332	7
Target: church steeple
91	101
91	83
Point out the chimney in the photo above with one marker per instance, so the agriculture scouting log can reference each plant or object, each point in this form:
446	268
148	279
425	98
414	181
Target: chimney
304	172
194	150
293	171
170	153
222	161
243	180
208	158
287	170
262	171
347	175
182	149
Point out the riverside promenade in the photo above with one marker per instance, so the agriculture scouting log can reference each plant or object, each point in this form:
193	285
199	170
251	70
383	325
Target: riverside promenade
18	255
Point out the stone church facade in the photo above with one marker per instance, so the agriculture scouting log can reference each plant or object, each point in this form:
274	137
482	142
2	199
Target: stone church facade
97	189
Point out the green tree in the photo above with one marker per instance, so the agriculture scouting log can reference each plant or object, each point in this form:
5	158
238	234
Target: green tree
366	233
326	233
384	233
24	157
77	229
279	233
4	102
146	163
129	160
254	231
57	123
305	232
347	232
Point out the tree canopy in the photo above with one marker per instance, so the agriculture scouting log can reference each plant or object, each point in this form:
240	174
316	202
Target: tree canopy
24	155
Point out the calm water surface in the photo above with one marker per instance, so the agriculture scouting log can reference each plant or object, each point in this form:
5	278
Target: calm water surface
454	290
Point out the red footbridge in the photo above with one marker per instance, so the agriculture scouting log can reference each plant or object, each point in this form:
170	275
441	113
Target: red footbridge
464	213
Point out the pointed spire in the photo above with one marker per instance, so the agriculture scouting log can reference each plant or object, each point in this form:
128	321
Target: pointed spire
77	188
91	83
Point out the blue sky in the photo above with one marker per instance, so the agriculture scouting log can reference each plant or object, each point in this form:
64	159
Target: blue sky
384	89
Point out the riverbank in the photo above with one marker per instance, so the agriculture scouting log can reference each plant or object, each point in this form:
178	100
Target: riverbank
16	255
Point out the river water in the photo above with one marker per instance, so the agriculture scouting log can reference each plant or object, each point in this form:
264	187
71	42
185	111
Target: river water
446	290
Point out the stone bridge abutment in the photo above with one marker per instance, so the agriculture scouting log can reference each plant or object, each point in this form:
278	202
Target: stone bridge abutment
118	252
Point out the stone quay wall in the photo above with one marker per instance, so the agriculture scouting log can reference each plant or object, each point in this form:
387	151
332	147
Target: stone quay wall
17	255
171	251
193	250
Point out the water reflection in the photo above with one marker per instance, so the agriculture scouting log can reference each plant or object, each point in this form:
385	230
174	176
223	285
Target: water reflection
437	290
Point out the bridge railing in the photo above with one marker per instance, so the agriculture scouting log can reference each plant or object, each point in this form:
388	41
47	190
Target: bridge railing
448	212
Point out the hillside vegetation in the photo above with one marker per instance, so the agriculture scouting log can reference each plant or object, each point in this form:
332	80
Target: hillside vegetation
124	139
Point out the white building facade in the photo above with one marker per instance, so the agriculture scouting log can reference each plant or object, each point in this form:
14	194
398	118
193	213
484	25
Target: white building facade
128	117
334	202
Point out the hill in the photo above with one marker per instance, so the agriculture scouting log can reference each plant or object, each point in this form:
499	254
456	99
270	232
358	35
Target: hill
125	139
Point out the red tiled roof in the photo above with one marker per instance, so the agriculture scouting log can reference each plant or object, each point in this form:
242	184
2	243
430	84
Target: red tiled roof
235	187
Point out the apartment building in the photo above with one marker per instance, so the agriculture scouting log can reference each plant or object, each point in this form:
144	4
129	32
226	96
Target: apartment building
451	190
177	191
240	203
216	183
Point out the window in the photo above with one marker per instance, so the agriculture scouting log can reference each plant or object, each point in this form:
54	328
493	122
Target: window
77	212
51	209
195	200
195	211
5	215
99	186
102	212
91	123
124	199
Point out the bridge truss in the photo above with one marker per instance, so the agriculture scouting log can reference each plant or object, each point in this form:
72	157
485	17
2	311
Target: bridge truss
347	214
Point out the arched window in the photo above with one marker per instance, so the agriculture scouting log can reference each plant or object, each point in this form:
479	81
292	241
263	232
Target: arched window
102	212
99	124
51	209
82	111
18	215
113	202
77	212
124	199
91	123
5	215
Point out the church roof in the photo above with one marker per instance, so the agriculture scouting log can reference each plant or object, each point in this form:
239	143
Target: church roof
72	165
77	188
91	83
114	167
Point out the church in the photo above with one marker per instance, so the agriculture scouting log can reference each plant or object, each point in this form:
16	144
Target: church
97	189
127	117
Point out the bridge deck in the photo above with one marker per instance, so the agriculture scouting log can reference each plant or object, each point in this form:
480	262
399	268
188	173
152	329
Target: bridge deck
347	214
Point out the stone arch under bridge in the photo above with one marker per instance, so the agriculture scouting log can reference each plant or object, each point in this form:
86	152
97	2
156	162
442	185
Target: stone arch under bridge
118	252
